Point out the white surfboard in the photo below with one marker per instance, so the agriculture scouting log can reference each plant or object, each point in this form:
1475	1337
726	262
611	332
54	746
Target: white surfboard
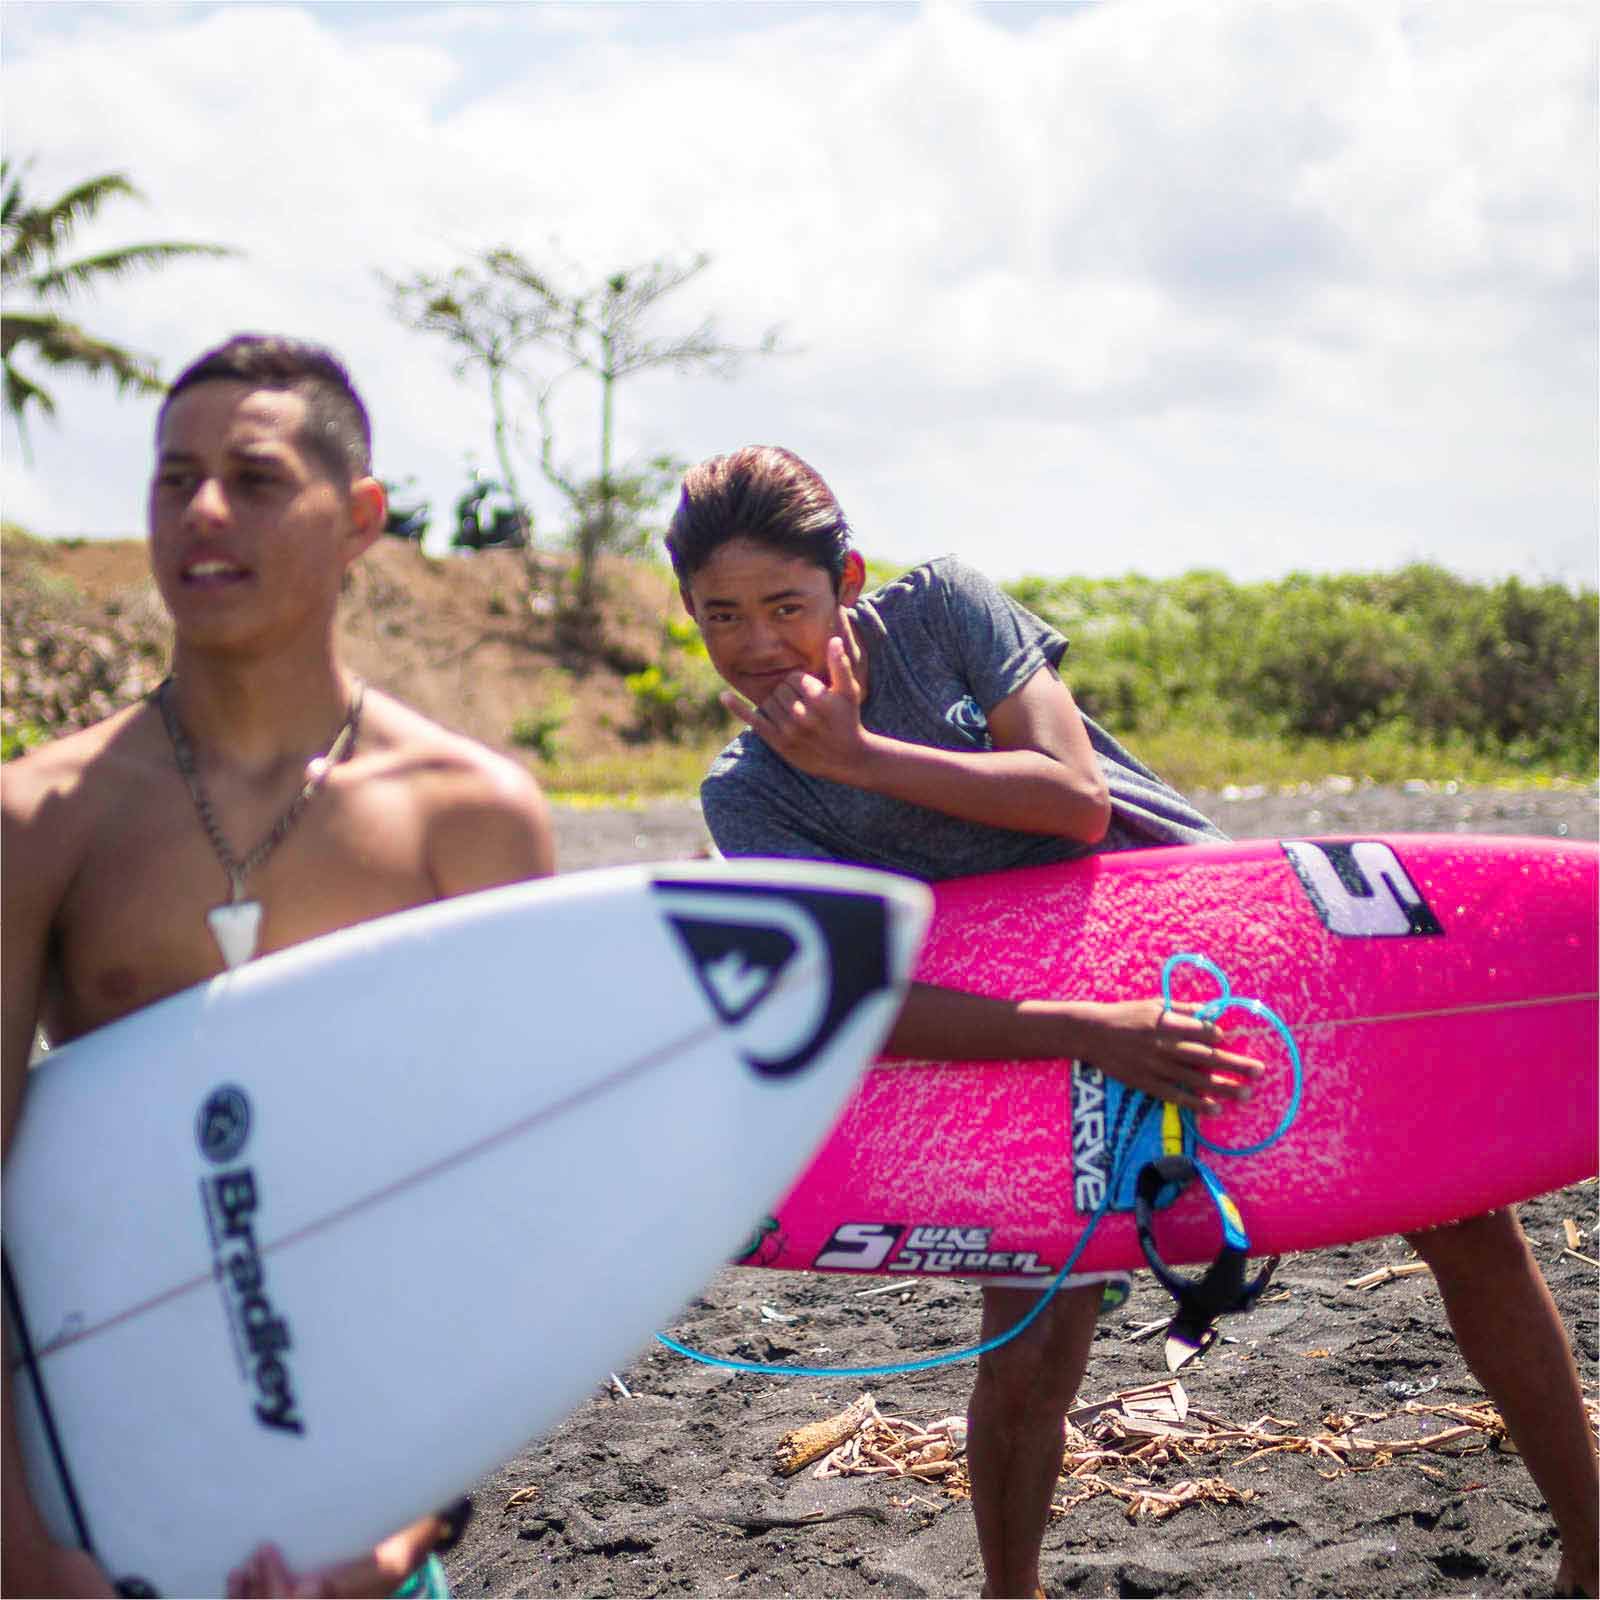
301	1253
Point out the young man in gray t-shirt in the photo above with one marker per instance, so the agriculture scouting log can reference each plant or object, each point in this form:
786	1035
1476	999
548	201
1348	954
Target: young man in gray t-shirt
943	646
924	729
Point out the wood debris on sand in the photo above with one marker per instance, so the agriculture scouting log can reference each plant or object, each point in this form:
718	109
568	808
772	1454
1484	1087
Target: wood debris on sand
1119	1445
1386	1274
878	1446
801	1446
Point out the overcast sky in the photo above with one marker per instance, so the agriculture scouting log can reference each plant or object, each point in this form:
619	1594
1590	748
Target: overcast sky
1088	288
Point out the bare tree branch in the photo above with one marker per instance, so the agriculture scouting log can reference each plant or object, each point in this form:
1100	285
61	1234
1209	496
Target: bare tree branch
515	317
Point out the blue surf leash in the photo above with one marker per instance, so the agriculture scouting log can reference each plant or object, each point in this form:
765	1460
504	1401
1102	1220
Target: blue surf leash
1221	1290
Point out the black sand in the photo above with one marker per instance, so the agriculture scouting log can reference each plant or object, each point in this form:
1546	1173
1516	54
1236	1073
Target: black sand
634	1496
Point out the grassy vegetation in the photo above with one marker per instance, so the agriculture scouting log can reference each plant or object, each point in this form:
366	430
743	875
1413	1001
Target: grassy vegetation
1194	759
1191	759
1413	675
1371	668
1410	676
653	772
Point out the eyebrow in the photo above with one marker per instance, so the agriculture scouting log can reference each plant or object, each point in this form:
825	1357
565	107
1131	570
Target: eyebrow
765	600
260	454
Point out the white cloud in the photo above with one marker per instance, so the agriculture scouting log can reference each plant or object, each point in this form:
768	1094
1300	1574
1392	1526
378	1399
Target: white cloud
1099	287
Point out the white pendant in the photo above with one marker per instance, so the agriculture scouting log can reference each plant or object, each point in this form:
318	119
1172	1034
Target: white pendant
236	928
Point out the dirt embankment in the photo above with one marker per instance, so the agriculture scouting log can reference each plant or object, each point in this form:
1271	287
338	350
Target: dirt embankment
461	639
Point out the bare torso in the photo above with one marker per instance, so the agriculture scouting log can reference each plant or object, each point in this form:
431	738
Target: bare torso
388	830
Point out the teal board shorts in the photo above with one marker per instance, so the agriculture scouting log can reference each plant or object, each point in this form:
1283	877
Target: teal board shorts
426	1583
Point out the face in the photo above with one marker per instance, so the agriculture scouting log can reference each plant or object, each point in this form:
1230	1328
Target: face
249	535
764	614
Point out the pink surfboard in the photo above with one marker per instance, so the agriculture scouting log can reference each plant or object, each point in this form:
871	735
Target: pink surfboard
1442	991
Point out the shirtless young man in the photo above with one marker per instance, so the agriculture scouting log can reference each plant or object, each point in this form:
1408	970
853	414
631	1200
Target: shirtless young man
261	499
923	728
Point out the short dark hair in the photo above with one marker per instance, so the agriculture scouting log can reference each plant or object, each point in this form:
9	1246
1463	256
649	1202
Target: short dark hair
761	492
337	430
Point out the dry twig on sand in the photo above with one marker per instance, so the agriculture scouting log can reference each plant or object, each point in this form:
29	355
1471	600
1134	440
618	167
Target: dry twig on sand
1385	1274
801	1446
877	1445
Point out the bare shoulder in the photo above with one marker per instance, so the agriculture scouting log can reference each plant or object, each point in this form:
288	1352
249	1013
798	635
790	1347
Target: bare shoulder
487	821
52	798
452	760
56	803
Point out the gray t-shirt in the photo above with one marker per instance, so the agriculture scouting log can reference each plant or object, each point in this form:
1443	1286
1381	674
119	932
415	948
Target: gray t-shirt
943	645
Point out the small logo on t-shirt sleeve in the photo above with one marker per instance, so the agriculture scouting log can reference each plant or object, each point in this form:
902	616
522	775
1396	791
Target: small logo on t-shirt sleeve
967	715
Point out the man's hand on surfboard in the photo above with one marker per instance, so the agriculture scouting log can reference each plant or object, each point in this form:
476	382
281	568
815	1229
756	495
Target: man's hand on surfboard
381	1572
1169	1054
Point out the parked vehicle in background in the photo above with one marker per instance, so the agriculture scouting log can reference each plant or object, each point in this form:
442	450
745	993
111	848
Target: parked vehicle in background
408	515
487	517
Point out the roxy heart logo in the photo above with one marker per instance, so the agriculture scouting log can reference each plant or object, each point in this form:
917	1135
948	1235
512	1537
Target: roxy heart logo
783	968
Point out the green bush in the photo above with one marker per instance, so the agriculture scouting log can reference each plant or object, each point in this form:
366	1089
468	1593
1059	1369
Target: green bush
676	697
668	707
538	730
1332	665
1508	670
17	739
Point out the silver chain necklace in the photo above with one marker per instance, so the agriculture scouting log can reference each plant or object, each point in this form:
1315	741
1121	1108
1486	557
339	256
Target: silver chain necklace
236	926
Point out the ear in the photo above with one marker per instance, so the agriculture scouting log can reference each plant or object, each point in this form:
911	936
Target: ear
688	602
369	510
854	578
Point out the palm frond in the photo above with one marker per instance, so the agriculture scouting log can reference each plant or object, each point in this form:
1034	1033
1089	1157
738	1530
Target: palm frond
21	391
23	327
63	280
17	393
10	189
33	237
33	230
57	343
